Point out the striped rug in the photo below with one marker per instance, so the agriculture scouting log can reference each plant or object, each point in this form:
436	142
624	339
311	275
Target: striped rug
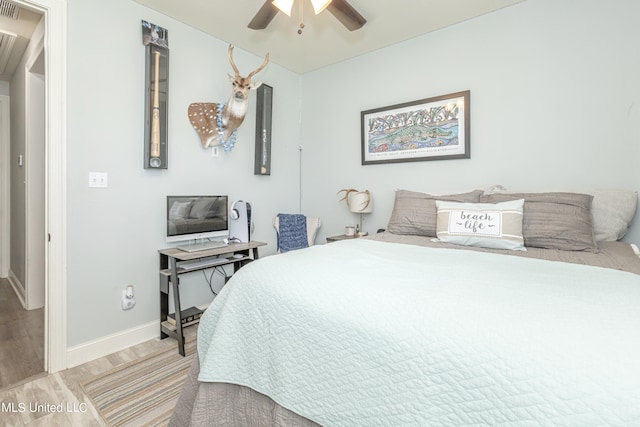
143	392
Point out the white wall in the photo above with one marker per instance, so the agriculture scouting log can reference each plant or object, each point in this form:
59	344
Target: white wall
4	88
35	165
114	233
554	106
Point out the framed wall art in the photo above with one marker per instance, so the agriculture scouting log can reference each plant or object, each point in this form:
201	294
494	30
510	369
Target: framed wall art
156	42
428	129
262	163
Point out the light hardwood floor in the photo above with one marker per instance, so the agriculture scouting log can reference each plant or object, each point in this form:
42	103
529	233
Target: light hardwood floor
21	338
62	390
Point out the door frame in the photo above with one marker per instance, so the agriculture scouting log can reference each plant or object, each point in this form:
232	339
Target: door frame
5	167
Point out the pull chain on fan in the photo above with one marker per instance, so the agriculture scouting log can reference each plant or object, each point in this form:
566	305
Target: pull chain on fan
301	3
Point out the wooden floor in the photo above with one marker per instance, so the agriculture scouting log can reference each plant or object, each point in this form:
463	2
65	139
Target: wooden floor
21	338
38	400
18	404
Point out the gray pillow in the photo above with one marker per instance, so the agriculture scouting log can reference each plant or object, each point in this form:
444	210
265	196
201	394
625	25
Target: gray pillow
416	213
554	220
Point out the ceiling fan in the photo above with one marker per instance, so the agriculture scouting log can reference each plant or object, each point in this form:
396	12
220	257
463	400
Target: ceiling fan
341	9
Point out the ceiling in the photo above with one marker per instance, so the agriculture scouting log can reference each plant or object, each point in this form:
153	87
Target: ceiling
16	27
324	40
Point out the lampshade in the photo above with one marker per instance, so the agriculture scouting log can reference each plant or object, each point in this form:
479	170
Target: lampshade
361	202
320	5
284	5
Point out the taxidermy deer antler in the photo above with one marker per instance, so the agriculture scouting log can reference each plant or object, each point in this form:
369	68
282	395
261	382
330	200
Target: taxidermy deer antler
217	123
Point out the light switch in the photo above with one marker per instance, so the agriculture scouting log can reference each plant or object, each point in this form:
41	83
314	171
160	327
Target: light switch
98	179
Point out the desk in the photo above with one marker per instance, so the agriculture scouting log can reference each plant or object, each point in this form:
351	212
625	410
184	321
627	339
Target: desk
170	272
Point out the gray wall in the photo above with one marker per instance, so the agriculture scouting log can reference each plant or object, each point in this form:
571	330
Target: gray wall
554	90
554	106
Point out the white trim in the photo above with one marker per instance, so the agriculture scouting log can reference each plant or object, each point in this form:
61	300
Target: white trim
56	198
55	43
18	288
5	167
79	354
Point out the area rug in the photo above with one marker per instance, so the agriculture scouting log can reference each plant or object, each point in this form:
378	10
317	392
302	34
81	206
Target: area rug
143	392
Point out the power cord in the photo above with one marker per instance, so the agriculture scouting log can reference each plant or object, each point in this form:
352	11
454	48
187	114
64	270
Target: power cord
221	271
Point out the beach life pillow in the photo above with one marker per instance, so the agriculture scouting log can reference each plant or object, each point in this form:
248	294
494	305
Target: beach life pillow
485	225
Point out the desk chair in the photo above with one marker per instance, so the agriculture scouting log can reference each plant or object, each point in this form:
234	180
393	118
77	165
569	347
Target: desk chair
297	225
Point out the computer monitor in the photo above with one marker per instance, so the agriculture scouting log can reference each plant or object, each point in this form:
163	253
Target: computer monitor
197	217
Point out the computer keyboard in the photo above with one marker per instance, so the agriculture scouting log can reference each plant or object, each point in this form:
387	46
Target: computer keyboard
201	263
202	246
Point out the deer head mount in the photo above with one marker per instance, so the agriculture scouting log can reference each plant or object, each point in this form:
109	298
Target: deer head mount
216	123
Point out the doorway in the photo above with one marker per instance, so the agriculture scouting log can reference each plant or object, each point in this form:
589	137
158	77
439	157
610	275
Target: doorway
52	85
22	324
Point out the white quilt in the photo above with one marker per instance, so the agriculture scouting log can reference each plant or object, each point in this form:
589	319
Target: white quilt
366	333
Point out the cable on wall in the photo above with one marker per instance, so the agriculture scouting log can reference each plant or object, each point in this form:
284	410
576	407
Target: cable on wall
300	179
300	144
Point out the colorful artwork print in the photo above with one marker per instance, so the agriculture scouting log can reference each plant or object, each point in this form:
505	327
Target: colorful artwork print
430	129
433	127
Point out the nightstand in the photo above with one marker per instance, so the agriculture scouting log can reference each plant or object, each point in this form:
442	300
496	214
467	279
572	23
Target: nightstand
340	237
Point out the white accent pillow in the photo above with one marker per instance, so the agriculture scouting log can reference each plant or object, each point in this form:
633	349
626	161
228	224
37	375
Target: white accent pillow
486	225
613	212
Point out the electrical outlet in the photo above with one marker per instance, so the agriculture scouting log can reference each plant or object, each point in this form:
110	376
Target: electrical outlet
128	301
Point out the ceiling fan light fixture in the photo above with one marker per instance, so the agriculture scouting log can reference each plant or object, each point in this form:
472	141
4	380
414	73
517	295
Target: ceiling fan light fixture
320	5
284	5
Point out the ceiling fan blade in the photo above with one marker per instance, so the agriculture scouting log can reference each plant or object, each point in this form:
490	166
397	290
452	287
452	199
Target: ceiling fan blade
264	16
346	14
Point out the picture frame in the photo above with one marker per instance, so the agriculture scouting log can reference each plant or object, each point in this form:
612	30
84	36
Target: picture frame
435	128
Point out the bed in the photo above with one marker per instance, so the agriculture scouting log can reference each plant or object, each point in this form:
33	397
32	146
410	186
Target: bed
423	325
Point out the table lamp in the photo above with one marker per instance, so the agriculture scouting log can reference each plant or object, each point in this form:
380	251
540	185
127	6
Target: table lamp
361	202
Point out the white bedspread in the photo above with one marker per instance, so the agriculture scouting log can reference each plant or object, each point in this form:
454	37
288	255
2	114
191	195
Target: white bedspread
365	333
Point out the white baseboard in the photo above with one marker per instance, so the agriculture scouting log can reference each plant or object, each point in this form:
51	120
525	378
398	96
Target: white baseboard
18	288
86	352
